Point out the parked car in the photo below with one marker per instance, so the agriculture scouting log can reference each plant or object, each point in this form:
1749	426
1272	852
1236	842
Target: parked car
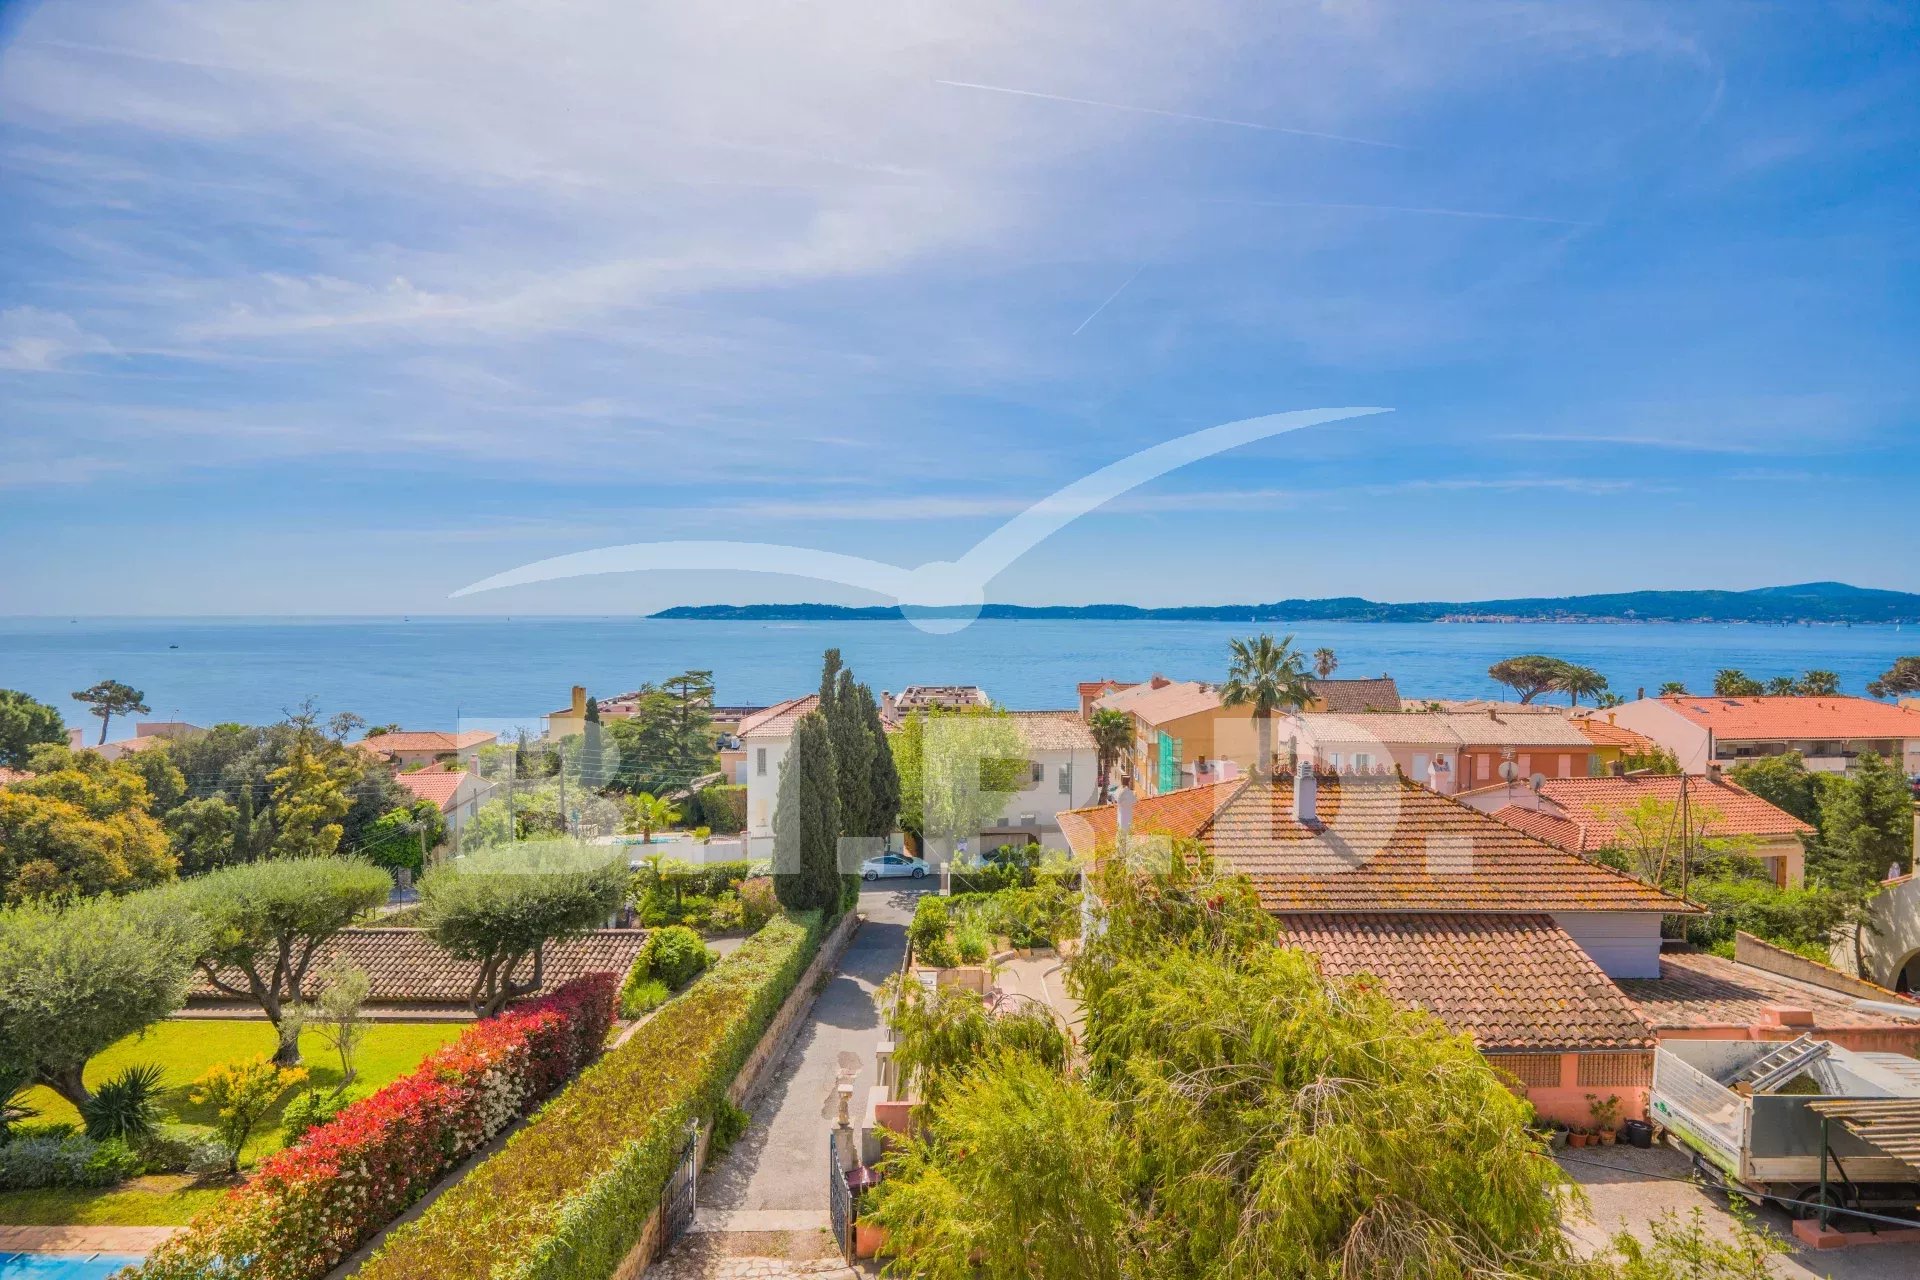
889	865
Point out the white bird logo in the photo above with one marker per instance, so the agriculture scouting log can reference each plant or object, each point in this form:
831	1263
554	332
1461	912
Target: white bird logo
957	587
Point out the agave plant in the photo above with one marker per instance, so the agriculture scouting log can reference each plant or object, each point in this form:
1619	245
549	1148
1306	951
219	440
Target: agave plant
125	1106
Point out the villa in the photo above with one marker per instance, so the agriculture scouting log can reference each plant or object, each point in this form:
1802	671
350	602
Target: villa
416	750
1828	732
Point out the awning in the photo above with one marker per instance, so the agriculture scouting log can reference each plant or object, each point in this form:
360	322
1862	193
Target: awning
1891	1124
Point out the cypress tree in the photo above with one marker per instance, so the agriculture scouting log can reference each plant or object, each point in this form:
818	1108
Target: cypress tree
830	669
806	821
853	749
593	767
883	778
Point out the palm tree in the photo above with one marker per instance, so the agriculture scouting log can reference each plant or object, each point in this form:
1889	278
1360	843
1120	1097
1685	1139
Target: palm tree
1673	689
1112	736
1578	682
1325	663
651	813
1267	677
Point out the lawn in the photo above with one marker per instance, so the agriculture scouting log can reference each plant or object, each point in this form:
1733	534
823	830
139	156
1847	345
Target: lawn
184	1048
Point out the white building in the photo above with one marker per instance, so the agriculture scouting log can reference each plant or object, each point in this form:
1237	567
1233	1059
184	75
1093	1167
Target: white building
765	737
1829	732
1062	773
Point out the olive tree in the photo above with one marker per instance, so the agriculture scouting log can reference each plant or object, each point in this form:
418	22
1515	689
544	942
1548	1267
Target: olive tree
76	977
500	907
267	921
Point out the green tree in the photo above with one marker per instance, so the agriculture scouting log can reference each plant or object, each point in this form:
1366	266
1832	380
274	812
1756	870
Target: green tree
1579	682
957	768
830	669
663	746
593	749
24	723
1325	662
309	799
501	908
403	837
1265	677
1673	689
1530	674
1866	825
1902	677
1819	683
82	827
1782	687
1730	682
266	921
853	761
110	698
883	804
1783	782
806	820
692	693
649	814
201	832
78	976
1112	740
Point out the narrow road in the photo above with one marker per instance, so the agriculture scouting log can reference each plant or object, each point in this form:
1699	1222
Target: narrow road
780	1165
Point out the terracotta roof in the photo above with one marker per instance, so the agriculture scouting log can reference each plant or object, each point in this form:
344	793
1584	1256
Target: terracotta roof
1593	806
1370	693
777	720
1373	728
13	775
437	785
1554	829
427	740
1776	718
1699	991
1602	733
407	966
1379	843
1515	983
1170	701
1458	729
1053	730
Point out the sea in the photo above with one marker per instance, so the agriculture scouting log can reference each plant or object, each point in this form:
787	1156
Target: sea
500	673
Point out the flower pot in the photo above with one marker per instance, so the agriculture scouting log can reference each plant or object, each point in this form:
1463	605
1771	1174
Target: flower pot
1606	1137
1576	1139
1557	1140
1637	1133
868	1239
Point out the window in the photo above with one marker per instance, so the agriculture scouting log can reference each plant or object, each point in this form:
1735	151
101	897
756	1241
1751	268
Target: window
1419	766
1525	765
760	761
1066	779
1566	766
1482	768
1333	761
1362	761
1039	772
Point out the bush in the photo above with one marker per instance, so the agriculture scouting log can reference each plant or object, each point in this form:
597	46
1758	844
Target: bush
728	915
75	1160
972	942
309	1111
124	1107
929	923
641	996
565	1198
729	1126
722	807
181	1149
757	902
311	1205
677	956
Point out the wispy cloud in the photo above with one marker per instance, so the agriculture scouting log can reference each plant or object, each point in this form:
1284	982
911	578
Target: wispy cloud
1169	115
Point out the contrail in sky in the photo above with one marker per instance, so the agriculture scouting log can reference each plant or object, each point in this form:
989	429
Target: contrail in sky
1401	208
1109	302
1170	115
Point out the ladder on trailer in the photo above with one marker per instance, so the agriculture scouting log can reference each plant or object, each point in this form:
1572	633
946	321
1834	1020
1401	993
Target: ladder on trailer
1781	1064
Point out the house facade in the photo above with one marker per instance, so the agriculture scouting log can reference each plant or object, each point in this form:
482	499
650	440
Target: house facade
1445	751
418	750
1830	733
1062	774
764	739
458	793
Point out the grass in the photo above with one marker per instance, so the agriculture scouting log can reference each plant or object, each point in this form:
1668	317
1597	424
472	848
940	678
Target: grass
184	1048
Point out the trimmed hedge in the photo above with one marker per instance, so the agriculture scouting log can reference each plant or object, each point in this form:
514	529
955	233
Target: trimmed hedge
314	1203
723	808
567	1197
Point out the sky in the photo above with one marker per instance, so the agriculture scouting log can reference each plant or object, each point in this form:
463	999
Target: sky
337	307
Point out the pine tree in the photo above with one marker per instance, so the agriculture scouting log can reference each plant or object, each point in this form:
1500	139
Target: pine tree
806	820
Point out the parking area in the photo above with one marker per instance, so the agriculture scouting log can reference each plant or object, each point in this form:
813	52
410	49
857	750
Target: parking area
1630	1188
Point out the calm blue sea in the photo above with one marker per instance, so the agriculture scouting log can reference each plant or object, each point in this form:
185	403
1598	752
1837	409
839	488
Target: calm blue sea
494	672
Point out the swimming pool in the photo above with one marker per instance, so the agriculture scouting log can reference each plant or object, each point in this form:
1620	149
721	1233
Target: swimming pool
63	1266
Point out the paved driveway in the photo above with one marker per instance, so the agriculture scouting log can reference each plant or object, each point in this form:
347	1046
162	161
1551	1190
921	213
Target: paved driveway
776	1176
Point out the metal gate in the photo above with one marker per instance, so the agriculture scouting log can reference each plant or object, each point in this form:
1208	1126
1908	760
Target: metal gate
677	1201
839	1200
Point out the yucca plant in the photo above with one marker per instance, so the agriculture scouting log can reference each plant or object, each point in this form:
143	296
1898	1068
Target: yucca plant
125	1106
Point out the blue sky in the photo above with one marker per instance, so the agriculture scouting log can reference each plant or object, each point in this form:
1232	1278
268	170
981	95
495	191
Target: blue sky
336	307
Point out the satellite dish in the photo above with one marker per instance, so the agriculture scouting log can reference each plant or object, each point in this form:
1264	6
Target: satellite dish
1537	781
1509	771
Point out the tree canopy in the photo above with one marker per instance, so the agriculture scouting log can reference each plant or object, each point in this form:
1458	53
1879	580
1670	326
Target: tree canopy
75	977
503	906
266	921
25	722
1901	678
110	698
83	826
806	820
957	769
1265	677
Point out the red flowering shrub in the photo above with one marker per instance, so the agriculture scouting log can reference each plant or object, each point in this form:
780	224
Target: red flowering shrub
311	1205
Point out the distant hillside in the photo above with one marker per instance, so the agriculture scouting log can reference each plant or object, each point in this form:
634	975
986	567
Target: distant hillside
1807	602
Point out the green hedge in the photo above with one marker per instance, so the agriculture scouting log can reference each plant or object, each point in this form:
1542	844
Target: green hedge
723	808
566	1198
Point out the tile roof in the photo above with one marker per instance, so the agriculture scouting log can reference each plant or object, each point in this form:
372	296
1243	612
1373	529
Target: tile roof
777	720
427	740
1514	982
1373	728
1594	805
1698	991
1163	703
1555	830
406	966
1774	718
1368	693
437	785
1457	729
1380	843
1603	733
13	775
1053	730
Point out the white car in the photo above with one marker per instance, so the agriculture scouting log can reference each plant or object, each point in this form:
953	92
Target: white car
889	865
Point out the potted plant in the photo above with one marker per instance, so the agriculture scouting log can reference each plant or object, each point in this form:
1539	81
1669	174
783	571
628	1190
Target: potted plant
1604	1112
1576	1137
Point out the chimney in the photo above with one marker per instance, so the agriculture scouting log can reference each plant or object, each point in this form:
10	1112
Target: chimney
1641	692
1306	792
76	739
580	700
1619	768
886	705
